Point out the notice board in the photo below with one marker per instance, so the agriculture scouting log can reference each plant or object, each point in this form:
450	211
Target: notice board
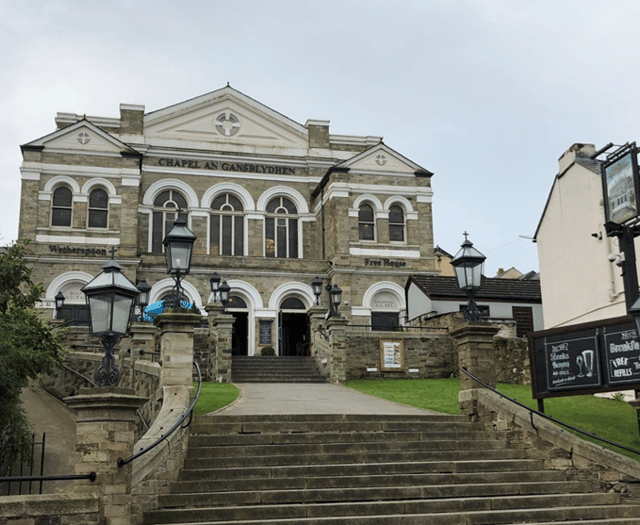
588	358
391	355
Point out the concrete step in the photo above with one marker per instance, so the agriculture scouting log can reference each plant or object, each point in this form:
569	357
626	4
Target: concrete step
362	469
488	510
544	478
260	369
329	449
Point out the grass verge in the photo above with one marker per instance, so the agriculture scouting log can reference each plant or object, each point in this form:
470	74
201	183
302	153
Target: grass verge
614	420
214	396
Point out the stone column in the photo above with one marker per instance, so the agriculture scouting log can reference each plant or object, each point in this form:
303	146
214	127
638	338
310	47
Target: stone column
337	327
474	342
176	346
316	319
142	340
105	424
220	328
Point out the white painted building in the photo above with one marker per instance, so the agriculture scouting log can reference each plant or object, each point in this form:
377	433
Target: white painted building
580	281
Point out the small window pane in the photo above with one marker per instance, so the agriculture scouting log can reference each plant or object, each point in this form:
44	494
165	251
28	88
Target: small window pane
215	235
98	218
235	202
161	199
293	238
226	235
365	214
218	202
270	243
238	234
98	199
290	207
62	197
271	207
61	217
156	240
396	233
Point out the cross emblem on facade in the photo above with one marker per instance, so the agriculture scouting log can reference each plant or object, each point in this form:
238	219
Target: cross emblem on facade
381	160
83	138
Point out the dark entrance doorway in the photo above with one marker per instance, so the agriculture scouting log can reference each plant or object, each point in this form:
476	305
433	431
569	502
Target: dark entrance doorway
240	331
294	328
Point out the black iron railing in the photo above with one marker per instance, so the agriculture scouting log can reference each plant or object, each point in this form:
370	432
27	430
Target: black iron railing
188	413
546	416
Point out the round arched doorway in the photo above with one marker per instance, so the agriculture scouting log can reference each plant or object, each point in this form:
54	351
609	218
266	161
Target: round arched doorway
240	331
293	325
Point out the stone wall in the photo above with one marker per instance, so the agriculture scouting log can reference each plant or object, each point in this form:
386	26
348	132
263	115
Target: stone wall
54	509
427	355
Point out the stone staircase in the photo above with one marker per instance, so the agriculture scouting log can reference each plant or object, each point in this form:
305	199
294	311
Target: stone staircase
275	369
373	470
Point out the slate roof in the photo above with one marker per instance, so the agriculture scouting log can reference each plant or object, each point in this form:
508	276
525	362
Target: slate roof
437	287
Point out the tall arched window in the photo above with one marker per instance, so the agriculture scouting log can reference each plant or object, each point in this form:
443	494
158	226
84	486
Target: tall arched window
366	223
226	235
98	209
61	207
396	223
281	229
165	208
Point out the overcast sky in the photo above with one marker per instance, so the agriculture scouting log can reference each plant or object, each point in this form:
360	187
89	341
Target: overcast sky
485	94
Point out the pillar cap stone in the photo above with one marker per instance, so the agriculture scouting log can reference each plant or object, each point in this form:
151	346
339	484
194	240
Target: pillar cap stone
105	397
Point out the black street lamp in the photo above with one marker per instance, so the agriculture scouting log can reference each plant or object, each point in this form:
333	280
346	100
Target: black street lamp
59	298
214	283
110	297
143	299
336	298
317	289
224	290
469	266
178	249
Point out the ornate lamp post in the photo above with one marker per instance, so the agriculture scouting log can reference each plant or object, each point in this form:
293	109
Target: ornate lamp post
317	289
214	283
110	297
469	266
178	249
224	290
59	298
143	299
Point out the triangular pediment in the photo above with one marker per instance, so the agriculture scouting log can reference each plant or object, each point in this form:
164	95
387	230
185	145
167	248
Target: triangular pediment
225	116
82	136
382	159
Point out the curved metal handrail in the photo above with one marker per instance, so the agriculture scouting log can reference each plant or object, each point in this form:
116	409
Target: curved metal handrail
122	462
547	416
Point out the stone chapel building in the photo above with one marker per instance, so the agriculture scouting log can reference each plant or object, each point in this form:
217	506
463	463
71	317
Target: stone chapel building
273	203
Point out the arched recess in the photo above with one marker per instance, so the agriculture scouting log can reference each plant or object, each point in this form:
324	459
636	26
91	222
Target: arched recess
161	288
384	300
70	284
292	326
252	297
283	191
228	187
170	184
400	201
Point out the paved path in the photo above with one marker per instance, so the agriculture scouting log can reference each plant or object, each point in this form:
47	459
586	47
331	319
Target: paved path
312	398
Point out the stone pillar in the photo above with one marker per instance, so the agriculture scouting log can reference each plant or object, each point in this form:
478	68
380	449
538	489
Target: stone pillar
142	340
337	327
105	424
317	316
176	346
220	329
474	342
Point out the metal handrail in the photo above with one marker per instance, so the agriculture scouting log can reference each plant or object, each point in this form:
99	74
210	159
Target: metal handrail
546	416
92	476
122	462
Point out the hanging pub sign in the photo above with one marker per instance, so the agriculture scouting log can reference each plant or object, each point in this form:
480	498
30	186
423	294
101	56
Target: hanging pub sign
620	184
588	358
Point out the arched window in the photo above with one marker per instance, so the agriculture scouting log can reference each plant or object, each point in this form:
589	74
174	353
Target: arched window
396	223
61	207
98	209
366	223
226	235
281	229
165	208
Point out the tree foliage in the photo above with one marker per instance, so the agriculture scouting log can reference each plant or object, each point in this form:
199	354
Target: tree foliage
29	347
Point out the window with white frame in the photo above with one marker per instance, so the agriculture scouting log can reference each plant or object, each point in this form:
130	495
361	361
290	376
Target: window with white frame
281	229
366	223
396	223
98	209
226	233
165	211
61	207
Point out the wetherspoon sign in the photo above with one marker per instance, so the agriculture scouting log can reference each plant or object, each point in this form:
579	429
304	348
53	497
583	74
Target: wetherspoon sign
602	356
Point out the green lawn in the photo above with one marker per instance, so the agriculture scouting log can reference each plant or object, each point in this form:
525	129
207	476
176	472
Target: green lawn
614	420
214	396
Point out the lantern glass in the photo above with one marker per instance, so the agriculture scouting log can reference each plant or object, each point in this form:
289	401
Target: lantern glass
59	298
336	295
317	286
214	282
469	266
224	292
100	309
145	290
122	309
179	256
